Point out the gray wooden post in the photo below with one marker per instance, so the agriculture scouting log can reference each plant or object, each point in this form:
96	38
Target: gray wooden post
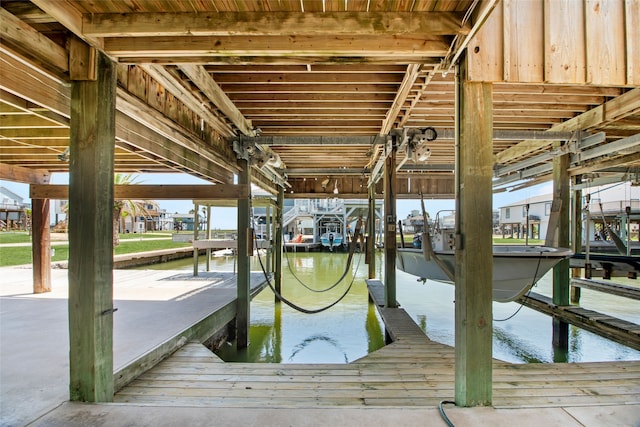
196	251
208	251
390	228
371	233
245	245
474	260
91	170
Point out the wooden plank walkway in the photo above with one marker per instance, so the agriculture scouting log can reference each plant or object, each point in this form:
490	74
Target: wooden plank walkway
621	331
607	287
413	371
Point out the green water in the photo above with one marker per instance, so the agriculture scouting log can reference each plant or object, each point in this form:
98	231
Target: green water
352	328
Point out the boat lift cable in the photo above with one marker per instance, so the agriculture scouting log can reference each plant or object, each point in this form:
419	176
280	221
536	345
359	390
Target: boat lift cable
302	309
525	295
352	247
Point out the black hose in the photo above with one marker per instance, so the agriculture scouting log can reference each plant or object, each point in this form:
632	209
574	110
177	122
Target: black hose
443	414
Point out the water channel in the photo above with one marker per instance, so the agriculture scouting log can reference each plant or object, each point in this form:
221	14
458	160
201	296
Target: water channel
352	328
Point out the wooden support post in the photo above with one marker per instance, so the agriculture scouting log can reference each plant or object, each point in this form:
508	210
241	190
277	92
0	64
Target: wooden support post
267	238
561	270
576	236
278	230
91	201
371	233
561	192
208	237
196	251
41	245
390	227
245	244
474	260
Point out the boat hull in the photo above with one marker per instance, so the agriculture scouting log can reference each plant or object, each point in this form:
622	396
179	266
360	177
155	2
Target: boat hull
331	240
515	268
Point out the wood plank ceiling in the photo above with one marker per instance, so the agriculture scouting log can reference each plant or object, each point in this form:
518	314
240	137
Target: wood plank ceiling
290	69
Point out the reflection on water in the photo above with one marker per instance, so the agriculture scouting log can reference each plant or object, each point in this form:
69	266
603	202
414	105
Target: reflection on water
340	334
352	328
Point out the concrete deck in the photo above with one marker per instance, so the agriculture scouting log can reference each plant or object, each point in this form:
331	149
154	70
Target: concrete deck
153	306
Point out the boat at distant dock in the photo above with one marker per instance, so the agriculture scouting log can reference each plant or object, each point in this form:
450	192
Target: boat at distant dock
332	238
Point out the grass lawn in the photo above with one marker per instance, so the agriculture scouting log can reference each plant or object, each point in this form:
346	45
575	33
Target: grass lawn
15	237
18	255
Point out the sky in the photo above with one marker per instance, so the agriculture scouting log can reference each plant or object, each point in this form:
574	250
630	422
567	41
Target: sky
225	218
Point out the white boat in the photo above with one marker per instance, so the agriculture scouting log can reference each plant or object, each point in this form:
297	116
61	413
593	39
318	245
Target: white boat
332	238
516	268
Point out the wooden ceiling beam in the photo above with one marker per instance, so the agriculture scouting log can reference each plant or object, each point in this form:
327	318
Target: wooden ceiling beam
175	150
67	14
299	46
179	89
218	59
33	84
419	24
150	192
410	77
33	44
202	79
269	78
24	175
624	105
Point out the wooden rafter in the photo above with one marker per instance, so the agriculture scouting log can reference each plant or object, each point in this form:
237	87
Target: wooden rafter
215	94
620	107
420	24
149	192
187	47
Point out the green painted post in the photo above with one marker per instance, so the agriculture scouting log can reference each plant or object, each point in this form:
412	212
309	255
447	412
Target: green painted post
561	280
390	228
245	246
561	192
277	276
474	260
576	237
371	233
91	171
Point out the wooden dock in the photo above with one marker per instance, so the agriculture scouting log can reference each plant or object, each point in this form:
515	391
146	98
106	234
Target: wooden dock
621	331
413	371
298	247
607	287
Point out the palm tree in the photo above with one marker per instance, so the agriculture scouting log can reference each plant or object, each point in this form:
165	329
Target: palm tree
123	208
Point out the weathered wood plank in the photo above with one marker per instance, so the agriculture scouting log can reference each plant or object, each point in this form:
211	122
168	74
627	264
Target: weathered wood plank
632	22
29	41
618	330
329	46
523	41
564	50
149	192
421	24
25	175
202	79
605	39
